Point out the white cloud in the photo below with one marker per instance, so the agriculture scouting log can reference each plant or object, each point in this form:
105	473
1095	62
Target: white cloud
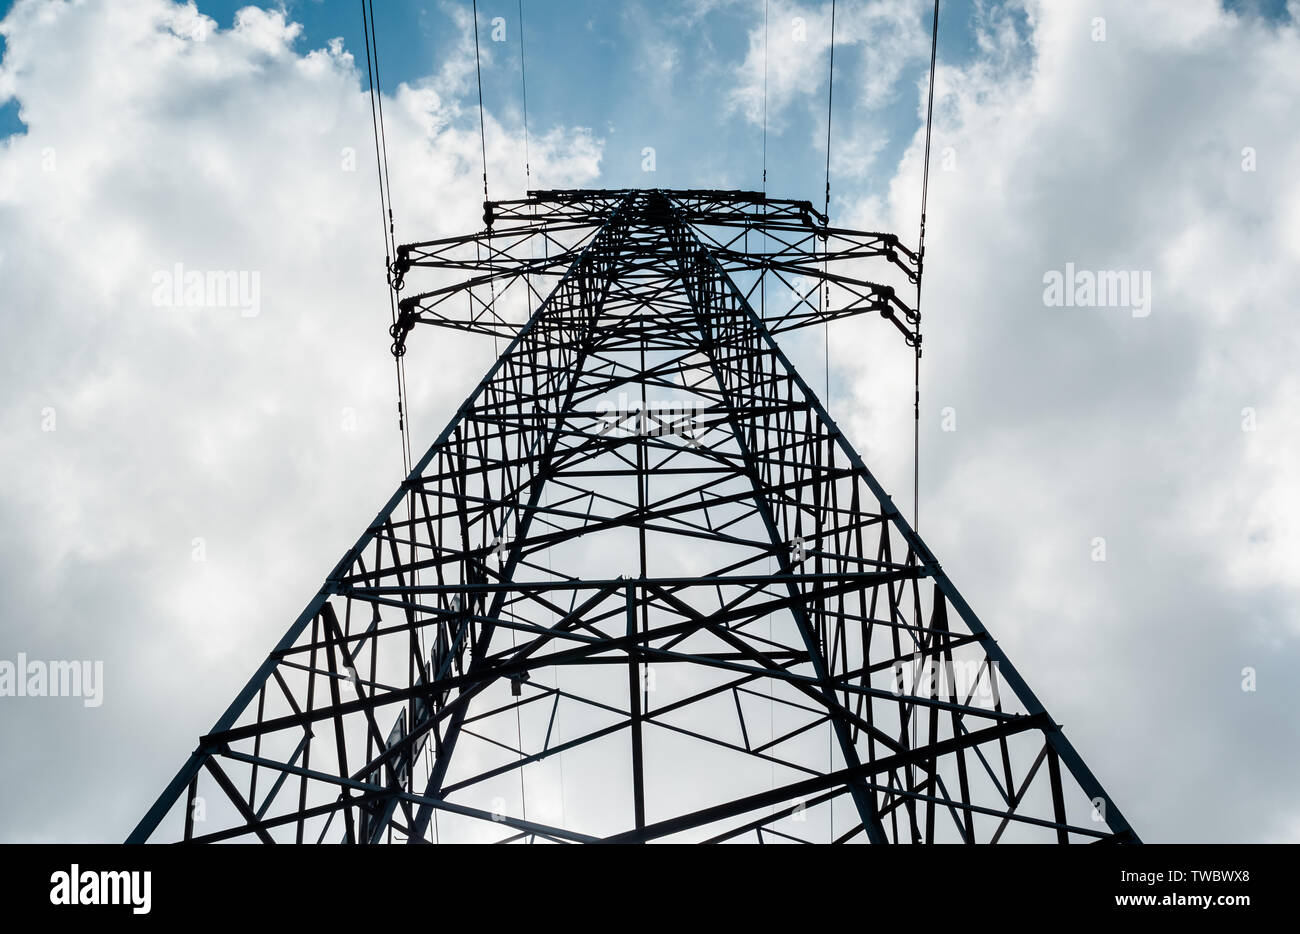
1074	423
886	35
168	140
175	141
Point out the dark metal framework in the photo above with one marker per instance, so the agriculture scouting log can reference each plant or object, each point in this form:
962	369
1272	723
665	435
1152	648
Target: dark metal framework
641	587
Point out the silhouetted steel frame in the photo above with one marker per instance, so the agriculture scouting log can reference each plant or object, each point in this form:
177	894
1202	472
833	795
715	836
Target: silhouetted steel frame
742	355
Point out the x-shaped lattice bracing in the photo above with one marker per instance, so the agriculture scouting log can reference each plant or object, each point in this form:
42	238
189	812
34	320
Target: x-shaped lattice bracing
640	587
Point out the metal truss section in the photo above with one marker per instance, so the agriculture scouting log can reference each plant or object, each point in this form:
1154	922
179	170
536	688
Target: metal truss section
537	238
641	587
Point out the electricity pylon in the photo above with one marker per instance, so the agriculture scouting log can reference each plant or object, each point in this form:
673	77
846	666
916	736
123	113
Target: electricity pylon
641	587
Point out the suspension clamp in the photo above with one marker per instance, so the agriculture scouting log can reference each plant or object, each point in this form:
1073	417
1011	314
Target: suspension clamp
398	331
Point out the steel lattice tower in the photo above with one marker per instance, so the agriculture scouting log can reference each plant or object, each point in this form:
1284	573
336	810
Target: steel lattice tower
641	587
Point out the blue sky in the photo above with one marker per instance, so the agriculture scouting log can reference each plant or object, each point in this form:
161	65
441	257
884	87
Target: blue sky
587	64
220	149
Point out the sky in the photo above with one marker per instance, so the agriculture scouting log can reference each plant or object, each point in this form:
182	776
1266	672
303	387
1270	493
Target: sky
178	481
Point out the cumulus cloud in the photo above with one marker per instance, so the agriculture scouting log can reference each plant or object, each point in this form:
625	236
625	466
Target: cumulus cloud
179	479
1164	148
156	137
787	64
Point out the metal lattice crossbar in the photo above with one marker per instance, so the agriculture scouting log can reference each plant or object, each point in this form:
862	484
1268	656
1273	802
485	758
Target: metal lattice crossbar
641	587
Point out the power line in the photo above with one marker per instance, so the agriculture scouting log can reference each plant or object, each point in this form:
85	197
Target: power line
390	250
383	137
523	79
482	133
920	267
385	212
765	3
487	215
825	291
492	292
771	699
826	328
830	96
528	168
